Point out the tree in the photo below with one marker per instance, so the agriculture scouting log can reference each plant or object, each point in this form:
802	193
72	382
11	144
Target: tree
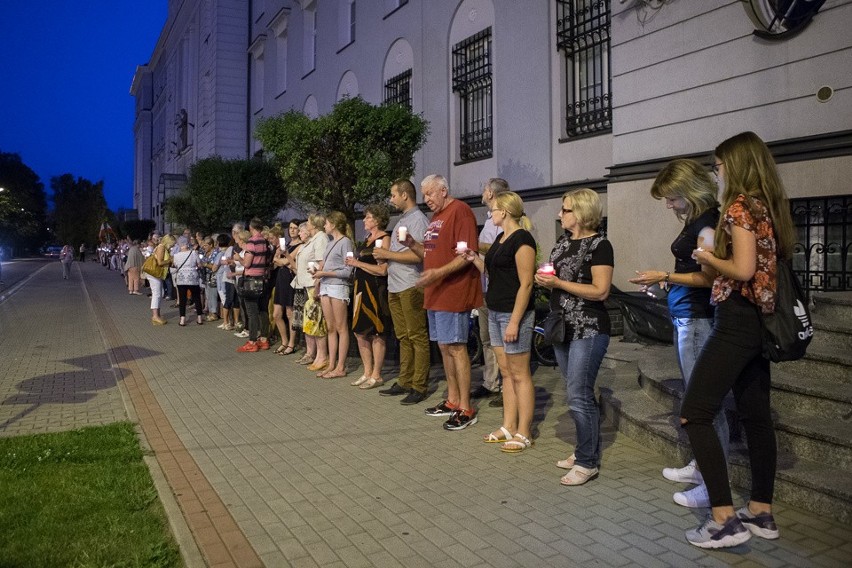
219	192
348	157
79	209
23	205
137	229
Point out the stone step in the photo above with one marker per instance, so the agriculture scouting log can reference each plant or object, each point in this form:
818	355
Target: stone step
827	396
829	334
802	423
823	362
833	305
816	486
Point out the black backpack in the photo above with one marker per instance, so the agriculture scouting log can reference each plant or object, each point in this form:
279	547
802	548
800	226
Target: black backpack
788	331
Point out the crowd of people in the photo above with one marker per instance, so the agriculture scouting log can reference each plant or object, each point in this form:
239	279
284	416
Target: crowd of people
310	285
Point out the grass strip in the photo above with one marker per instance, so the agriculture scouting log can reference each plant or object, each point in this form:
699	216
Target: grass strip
81	498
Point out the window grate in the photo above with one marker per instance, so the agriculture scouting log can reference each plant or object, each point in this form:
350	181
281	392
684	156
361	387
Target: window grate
583	35
472	82
398	90
823	239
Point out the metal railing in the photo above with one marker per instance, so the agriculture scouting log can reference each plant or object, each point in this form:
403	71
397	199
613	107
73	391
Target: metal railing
823	239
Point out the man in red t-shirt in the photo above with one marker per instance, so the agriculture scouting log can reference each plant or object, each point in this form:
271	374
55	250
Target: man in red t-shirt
451	290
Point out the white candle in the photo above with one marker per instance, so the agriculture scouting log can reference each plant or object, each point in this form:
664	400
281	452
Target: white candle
378	244
312	266
350	254
461	246
403	232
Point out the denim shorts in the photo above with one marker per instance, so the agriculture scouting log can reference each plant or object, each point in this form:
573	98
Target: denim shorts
337	291
448	327
497	323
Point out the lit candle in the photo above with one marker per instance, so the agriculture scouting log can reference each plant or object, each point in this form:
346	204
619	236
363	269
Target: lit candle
461	246
403	232
378	244
547	268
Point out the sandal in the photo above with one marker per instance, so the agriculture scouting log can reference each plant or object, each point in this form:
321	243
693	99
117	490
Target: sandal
492	439
517	444
371	383
305	360
359	382
567	463
579	475
287	349
280	350
332	374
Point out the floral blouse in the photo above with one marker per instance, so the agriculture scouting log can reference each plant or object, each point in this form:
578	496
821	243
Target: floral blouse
760	290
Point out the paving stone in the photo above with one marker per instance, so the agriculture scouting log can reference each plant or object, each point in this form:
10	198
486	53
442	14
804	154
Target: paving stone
316	473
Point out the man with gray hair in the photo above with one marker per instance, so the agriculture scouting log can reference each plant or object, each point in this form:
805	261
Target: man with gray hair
451	290
489	233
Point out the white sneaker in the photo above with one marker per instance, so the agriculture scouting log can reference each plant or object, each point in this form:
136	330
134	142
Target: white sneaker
695	498
243	333
221	325
686	474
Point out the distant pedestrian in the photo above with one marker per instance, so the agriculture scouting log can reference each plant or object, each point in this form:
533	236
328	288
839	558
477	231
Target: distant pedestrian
66	257
82	257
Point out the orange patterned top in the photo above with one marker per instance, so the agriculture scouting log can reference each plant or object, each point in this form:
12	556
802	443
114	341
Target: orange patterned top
760	290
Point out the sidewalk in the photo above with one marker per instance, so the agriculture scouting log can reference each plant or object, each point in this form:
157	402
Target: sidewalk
272	464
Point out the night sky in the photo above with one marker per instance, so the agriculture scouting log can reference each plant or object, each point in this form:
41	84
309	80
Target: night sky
65	74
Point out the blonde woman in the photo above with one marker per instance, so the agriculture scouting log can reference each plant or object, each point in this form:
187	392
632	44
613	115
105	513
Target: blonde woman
163	257
307	262
333	281
583	263
754	232
510	263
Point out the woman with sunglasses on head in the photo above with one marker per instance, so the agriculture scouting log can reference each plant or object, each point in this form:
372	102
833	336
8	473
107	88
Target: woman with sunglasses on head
580	279
688	190
754	232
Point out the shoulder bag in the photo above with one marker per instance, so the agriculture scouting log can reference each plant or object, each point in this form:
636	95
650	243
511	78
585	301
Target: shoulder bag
788	331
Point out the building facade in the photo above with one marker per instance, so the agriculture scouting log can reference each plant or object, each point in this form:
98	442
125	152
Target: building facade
548	94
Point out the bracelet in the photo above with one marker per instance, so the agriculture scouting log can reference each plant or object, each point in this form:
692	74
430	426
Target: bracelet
666	280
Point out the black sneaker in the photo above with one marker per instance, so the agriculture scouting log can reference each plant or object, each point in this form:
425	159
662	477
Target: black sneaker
443	409
497	402
481	392
413	397
394	390
460	420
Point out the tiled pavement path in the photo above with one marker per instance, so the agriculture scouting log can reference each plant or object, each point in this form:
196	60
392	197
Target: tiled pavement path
271	464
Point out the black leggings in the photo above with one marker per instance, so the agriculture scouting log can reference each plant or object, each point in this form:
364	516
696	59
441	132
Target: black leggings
731	360
196	299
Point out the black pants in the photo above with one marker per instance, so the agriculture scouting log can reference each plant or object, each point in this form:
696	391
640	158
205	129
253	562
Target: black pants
731	360
196	299
257	314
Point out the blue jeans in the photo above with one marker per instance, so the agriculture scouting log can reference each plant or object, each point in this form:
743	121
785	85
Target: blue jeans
579	362
690	335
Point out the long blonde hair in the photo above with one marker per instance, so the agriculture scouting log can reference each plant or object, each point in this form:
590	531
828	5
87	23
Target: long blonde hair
750	170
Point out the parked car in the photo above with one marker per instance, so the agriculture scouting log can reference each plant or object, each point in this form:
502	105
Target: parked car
52	251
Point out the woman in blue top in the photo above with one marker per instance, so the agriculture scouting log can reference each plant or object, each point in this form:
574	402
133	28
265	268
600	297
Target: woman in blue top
333	276
690	192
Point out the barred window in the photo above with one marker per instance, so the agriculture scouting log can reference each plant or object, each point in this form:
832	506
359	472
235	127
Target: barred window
823	242
582	34
398	90
472	82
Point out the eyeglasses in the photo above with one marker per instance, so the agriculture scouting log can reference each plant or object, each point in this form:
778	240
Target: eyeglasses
564	211
715	167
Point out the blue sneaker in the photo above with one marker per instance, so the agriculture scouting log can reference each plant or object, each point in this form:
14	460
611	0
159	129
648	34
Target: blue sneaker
713	535
762	525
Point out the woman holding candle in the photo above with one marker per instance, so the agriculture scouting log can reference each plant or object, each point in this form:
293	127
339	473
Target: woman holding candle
510	262
583	261
371	317
332	277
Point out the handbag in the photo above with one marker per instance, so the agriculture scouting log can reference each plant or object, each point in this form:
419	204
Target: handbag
313	322
788	331
250	287
211	278
553	327
151	267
